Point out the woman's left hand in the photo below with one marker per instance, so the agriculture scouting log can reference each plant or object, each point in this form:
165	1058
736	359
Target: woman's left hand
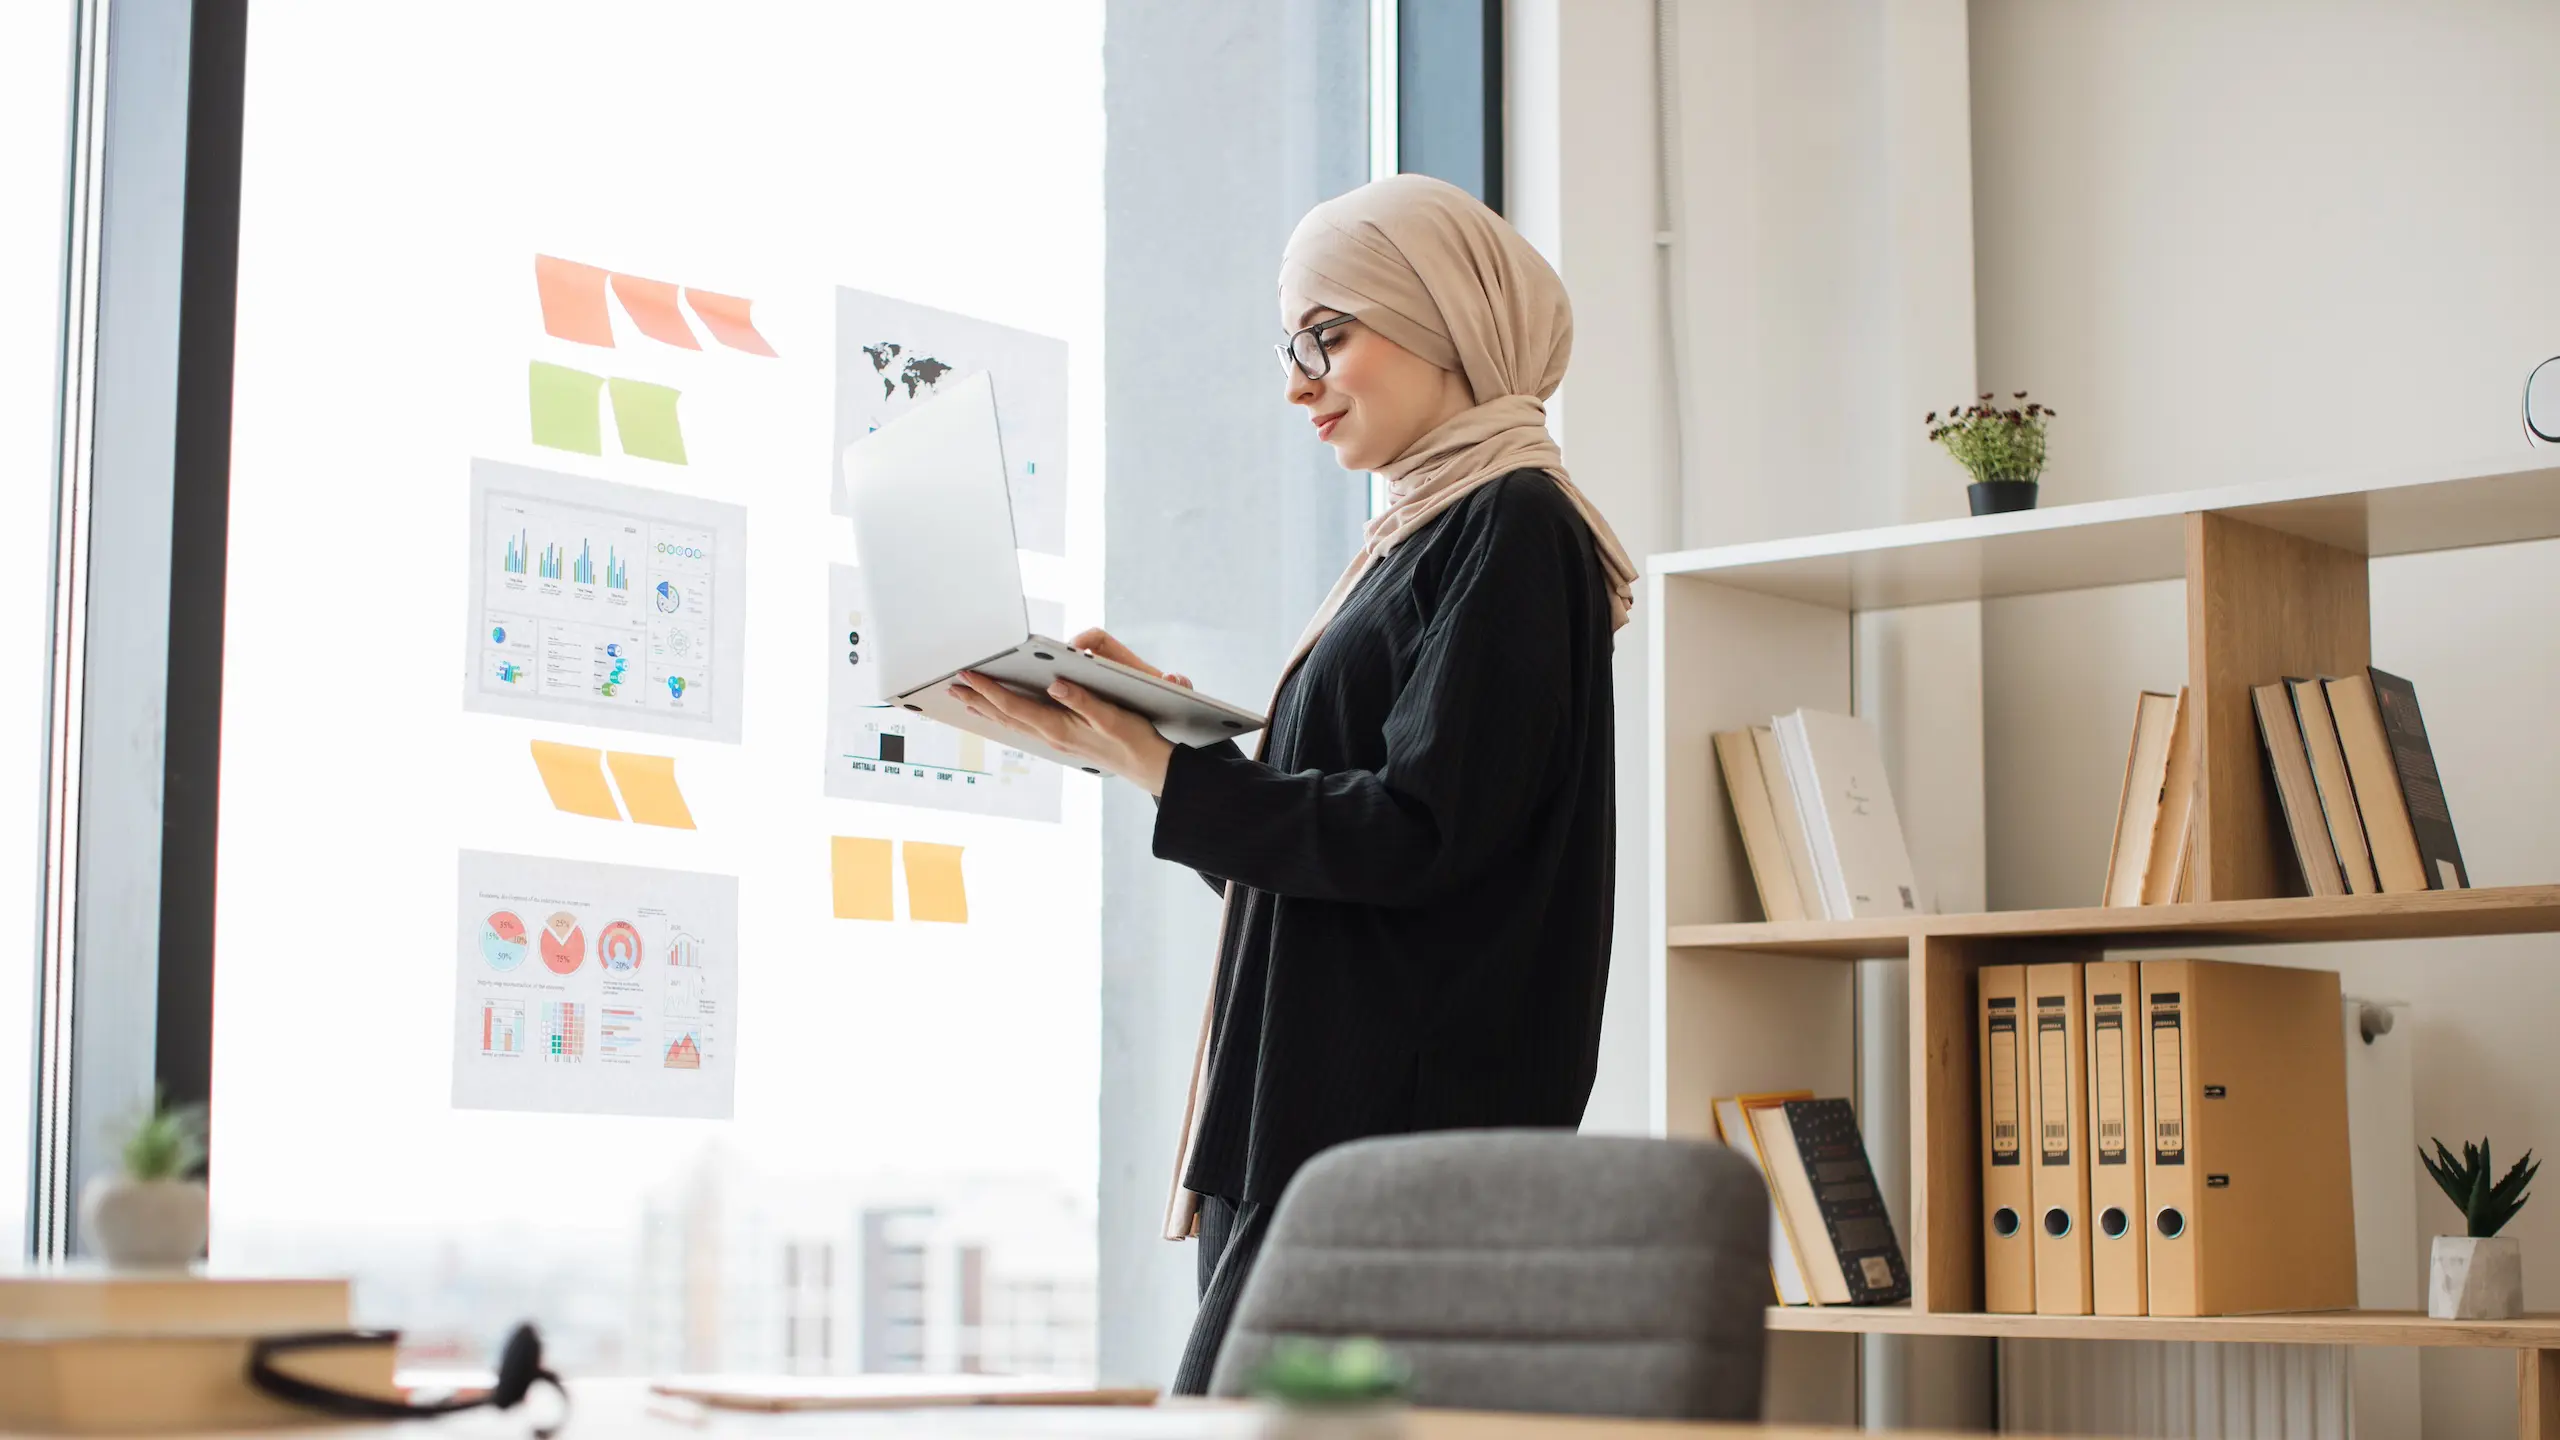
1076	721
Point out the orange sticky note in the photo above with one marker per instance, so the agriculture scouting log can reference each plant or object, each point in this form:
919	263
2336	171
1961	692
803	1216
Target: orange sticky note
725	316
572	300
651	304
934	888
862	879
574	775
648	786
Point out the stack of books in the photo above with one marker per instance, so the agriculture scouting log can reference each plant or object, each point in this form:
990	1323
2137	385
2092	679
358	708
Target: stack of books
86	1351
1817	818
2357	781
1831	1241
2164	1137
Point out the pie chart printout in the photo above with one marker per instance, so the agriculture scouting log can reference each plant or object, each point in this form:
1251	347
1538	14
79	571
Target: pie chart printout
632	1011
502	941
564	945
618	947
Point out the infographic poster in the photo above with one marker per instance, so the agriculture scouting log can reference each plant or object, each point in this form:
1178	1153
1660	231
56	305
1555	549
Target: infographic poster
893	756
594	989
892	355
603	604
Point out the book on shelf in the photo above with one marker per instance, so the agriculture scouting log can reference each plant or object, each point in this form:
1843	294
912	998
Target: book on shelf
2296	793
2413	760
1733	1122
1835	771
2140	802
1827	1194
1782	805
2329	777
1754	814
2168	874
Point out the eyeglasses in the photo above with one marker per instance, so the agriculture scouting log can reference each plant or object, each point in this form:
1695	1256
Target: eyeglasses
1306	349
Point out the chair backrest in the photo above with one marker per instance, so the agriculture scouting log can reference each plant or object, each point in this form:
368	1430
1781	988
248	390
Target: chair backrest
1533	1270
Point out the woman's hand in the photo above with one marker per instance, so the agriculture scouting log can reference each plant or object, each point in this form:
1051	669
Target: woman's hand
1105	644
1077	722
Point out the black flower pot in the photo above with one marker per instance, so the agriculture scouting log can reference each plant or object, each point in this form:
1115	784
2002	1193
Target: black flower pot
1999	497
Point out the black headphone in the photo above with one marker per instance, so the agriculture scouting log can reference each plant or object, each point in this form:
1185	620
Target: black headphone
520	1368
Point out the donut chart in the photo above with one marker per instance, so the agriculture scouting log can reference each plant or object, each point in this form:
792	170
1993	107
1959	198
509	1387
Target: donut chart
564	945
502	940
618	947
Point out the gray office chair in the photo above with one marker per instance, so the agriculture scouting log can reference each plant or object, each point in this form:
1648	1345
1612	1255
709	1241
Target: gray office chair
1525	1270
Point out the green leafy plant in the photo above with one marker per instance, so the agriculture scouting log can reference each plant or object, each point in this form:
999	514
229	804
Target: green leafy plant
1997	445
167	1143
1309	1372
2485	1207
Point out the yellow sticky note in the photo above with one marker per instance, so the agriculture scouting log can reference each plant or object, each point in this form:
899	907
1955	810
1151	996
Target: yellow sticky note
648	785
574	775
862	879
934	888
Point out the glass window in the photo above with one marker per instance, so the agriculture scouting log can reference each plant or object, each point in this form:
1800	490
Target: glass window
547	774
35	108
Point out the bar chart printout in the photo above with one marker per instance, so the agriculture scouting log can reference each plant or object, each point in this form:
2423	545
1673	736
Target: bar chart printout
890	755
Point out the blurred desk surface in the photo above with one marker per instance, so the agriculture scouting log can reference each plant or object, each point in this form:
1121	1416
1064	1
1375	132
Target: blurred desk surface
626	1410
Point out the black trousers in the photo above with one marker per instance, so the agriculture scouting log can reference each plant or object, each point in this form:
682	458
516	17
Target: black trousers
1230	1239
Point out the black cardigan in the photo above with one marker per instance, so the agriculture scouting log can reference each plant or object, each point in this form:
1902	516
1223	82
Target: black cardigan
1425	859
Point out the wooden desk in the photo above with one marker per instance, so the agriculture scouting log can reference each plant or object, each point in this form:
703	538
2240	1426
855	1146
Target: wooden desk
625	1410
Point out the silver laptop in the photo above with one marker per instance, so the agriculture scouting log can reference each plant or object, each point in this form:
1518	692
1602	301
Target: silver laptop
933	523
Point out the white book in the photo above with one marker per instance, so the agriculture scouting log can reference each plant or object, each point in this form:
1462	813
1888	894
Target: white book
1836	765
1735	1126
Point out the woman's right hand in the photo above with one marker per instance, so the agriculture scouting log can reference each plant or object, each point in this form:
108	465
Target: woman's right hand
1102	643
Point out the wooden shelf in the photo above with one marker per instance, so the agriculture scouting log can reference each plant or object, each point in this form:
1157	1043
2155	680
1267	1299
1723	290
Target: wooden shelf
2121	542
2427	915
2330	1327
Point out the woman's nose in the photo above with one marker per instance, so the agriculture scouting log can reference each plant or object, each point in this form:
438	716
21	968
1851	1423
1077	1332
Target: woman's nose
1301	390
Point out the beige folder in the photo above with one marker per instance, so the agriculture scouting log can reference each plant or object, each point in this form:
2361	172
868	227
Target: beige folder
2058	1154
2252	1207
2008	1206
2116	1218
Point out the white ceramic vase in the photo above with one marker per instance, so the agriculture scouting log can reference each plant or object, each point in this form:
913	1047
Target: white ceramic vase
2476	1278
144	1224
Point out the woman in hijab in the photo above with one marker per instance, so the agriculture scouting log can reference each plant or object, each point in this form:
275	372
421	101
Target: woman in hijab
1418	861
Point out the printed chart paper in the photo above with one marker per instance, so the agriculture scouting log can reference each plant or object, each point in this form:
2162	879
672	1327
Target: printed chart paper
604	604
892	355
894	756
594	989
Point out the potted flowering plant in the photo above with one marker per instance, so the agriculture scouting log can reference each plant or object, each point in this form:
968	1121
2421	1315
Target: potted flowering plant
2003	449
2478	1275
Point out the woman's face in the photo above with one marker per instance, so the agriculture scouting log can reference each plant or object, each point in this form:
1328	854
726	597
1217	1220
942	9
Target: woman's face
1376	398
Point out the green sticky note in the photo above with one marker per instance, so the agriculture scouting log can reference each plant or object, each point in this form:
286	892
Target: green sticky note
646	415
564	409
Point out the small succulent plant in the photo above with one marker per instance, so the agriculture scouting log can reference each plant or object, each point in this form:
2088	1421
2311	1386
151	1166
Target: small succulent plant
167	1143
1356	1371
2485	1207
1996	444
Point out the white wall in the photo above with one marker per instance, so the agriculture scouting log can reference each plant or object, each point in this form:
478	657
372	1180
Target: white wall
2234	241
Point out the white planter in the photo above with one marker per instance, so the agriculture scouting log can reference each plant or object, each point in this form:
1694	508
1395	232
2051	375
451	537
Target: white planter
144	1224
1383	1421
2476	1279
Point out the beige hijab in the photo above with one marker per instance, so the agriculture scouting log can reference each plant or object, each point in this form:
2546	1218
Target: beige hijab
1426	265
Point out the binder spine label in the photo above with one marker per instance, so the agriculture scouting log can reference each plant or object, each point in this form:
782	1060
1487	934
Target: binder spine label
2168	1081
2007	1085
2053	1079
2114	1146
